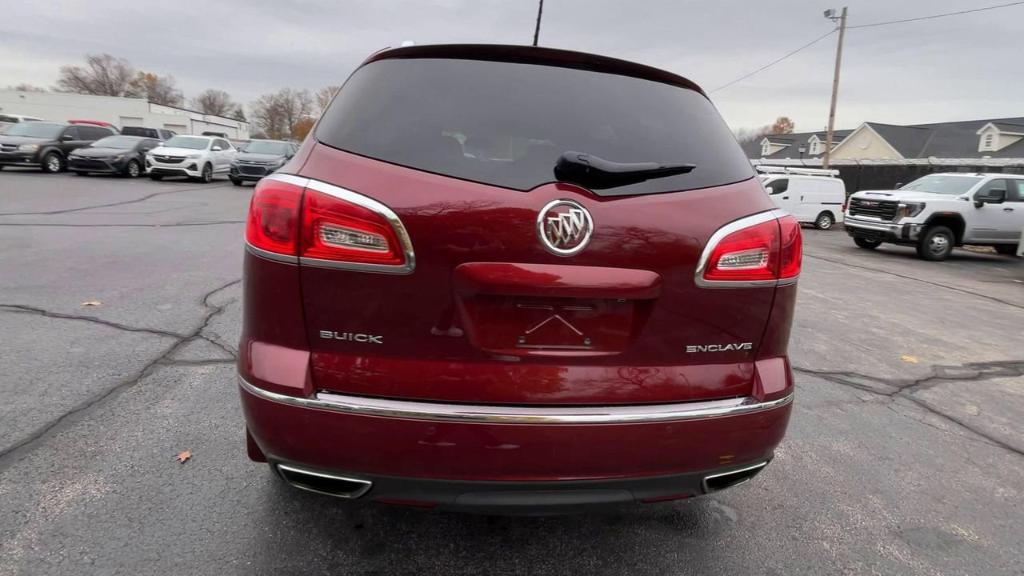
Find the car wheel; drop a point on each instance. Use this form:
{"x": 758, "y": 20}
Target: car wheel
{"x": 1006, "y": 249}
{"x": 207, "y": 176}
{"x": 53, "y": 163}
{"x": 132, "y": 170}
{"x": 867, "y": 244}
{"x": 157, "y": 177}
{"x": 936, "y": 244}
{"x": 824, "y": 221}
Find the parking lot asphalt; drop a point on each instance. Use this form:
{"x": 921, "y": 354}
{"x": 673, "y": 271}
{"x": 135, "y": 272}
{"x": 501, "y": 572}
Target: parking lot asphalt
{"x": 905, "y": 454}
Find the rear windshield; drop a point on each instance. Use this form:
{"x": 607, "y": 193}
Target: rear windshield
{"x": 36, "y": 130}
{"x": 506, "y": 124}
{"x": 188, "y": 142}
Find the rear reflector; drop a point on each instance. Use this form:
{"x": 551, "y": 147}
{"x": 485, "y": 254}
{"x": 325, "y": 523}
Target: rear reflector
{"x": 758, "y": 250}
{"x": 318, "y": 224}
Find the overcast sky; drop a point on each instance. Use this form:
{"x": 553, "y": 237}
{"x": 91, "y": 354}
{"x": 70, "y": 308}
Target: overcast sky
{"x": 956, "y": 68}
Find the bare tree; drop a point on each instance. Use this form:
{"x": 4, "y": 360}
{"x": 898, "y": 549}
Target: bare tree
{"x": 278, "y": 114}
{"x": 782, "y": 125}
{"x": 102, "y": 74}
{"x": 157, "y": 89}
{"x": 324, "y": 96}
{"x": 216, "y": 102}
{"x": 26, "y": 88}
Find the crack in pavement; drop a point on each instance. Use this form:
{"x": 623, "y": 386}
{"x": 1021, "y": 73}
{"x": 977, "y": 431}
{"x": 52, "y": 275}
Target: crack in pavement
{"x": 929, "y": 282}
{"x": 26, "y": 445}
{"x": 25, "y": 309}
{"x": 227, "y": 349}
{"x": 121, "y": 203}
{"x": 174, "y": 225}
{"x": 904, "y": 388}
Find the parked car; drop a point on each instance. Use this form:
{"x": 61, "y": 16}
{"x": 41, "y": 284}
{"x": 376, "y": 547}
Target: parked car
{"x": 102, "y": 123}
{"x": 259, "y": 158}
{"x": 811, "y": 195}
{"x": 196, "y": 157}
{"x": 591, "y": 308}
{"x": 158, "y": 133}
{"x": 124, "y": 155}
{"x": 46, "y": 144}
{"x": 8, "y": 120}
{"x": 939, "y": 211}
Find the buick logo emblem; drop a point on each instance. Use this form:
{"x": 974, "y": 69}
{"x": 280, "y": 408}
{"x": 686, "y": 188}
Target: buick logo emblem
{"x": 564, "y": 227}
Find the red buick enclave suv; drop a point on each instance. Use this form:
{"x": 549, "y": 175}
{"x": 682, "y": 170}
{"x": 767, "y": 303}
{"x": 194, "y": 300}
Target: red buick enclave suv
{"x": 504, "y": 278}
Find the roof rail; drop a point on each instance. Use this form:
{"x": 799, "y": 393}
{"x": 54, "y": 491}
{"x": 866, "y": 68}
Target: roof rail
{"x": 799, "y": 171}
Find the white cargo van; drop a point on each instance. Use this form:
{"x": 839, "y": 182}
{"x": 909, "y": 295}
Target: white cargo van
{"x": 813, "y": 196}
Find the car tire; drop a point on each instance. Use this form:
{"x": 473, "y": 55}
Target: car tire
{"x": 1006, "y": 249}
{"x": 936, "y": 244}
{"x": 133, "y": 169}
{"x": 866, "y": 244}
{"x": 53, "y": 163}
{"x": 824, "y": 221}
{"x": 156, "y": 177}
{"x": 207, "y": 175}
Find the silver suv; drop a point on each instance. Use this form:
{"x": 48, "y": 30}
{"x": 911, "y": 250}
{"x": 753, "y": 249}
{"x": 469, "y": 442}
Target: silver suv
{"x": 940, "y": 211}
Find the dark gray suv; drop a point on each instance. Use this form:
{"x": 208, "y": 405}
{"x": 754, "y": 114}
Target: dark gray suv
{"x": 46, "y": 145}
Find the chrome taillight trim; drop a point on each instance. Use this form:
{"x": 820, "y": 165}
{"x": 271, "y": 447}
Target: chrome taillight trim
{"x": 526, "y": 415}
{"x": 724, "y": 231}
{"x": 359, "y": 200}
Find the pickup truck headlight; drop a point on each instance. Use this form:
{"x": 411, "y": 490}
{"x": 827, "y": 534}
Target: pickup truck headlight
{"x": 909, "y": 209}
{"x": 28, "y": 147}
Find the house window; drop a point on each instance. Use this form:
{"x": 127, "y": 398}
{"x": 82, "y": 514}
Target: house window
{"x": 986, "y": 142}
{"x": 814, "y": 147}
{"x": 765, "y": 147}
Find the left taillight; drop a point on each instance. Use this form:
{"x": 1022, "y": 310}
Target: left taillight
{"x": 273, "y": 224}
{"x": 759, "y": 250}
{"x": 318, "y": 224}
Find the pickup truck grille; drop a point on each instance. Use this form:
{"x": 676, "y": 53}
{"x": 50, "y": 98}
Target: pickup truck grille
{"x": 884, "y": 209}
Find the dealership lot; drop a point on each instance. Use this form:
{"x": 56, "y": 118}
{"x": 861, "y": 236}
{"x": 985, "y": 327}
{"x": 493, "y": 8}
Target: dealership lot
{"x": 905, "y": 453}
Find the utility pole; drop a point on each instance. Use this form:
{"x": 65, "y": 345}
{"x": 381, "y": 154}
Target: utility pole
{"x": 830, "y": 14}
{"x": 536, "y": 31}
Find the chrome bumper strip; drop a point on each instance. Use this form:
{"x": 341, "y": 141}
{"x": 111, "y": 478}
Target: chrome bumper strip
{"x": 546, "y": 415}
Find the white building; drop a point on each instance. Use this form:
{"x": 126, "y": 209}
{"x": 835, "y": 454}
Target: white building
{"x": 61, "y": 106}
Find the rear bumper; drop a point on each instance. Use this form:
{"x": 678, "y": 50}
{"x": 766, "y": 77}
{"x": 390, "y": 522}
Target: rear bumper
{"x": 879, "y": 230}
{"x": 515, "y": 458}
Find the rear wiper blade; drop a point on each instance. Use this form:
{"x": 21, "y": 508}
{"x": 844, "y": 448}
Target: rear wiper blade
{"x": 594, "y": 172}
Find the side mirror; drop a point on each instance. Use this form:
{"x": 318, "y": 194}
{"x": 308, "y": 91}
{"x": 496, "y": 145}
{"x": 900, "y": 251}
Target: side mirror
{"x": 990, "y": 196}
{"x": 216, "y": 148}
{"x": 769, "y": 190}
{"x": 67, "y": 138}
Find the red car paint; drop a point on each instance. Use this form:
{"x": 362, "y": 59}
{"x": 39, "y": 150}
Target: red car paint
{"x": 488, "y": 316}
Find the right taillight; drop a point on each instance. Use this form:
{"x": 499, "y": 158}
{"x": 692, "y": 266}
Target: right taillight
{"x": 318, "y": 224}
{"x": 755, "y": 251}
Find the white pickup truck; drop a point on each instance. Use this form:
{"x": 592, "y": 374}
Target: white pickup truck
{"x": 940, "y": 211}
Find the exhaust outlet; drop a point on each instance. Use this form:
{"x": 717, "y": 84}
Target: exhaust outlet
{"x": 328, "y": 484}
{"x": 716, "y": 482}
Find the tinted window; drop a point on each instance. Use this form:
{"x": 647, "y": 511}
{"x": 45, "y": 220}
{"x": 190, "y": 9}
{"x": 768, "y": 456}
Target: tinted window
{"x": 94, "y": 132}
{"x": 191, "y": 142}
{"x": 1011, "y": 196}
{"x": 506, "y": 124}
{"x": 36, "y": 130}
{"x": 222, "y": 143}
{"x": 75, "y": 132}
{"x": 119, "y": 142}
{"x": 268, "y": 147}
{"x": 778, "y": 186}
{"x": 997, "y": 184}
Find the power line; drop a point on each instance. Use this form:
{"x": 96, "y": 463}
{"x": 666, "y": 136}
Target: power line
{"x": 780, "y": 59}
{"x": 872, "y": 25}
{"x": 933, "y": 16}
